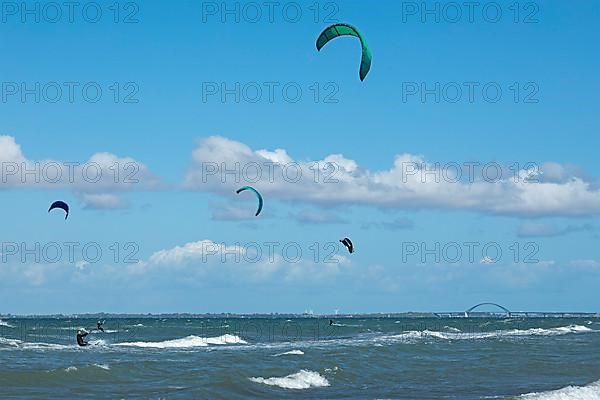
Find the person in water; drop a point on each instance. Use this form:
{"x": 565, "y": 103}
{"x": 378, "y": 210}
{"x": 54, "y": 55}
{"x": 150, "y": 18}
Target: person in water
{"x": 330, "y": 322}
{"x": 81, "y": 334}
{"x": 99, "y": 324}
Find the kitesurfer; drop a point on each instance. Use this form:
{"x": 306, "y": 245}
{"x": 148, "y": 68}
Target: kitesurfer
{"x": 81, "y": 334}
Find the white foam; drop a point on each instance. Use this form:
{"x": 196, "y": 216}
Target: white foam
{"x": 225, "y": 339}
{"x": 43, "y": 346}
{"x": 71, "y": 369}
{"x": 187, "y": 342}
{"x": 303, "y": 379}
{"x": 412, "y": 336}
{"x": 290, "y": 353}
{"x": 561, "y": 330}
{"x": 588, "y": 392}
{"x": 452, "y": 329}
{"x": 105, "y": 367}
{"x": 10, "y": 342}
{"x": 6, "y": 324}
{"x": 19, "y": 344}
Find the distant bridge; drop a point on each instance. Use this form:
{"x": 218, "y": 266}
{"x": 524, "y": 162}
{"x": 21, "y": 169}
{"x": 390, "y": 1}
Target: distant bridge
{"x": 466, "y": 313}
{"x": 517, "y": 314}
{"x": 506, "y": 310}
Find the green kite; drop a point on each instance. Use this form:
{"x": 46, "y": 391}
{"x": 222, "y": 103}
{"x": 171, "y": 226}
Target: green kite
{"x": 338, "y": 30}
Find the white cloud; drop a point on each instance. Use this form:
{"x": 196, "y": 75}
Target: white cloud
{"x": 248, "y": 262}
{"x": 102, "y": 172}
{"x": 81, "y": 265}
{"x": 559, "y": 173}
{"x": 487, "y": 260}
{"x": 221, "y": 165}
{"x": 95, "y": 181}
{"x": 194, "y": 251}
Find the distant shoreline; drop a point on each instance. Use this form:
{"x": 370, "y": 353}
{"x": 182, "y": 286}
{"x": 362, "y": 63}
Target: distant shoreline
{"x": 433, "y": 315}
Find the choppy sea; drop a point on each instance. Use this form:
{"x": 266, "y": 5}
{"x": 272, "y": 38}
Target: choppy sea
{"x": 294, "y": 357}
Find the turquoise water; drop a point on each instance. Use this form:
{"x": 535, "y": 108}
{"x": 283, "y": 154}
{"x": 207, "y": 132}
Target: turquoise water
{"x": 360, "y": 357}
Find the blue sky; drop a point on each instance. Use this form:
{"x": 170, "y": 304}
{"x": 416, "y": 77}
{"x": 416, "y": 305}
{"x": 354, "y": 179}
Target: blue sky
{"x": 173, "y": 54}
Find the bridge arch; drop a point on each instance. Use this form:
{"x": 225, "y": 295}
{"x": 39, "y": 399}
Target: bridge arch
{"x": 506, "y": 310}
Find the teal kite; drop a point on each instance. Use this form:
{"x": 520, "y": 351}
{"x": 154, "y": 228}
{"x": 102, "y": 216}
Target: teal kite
{"x": 337, "y": 30}
{"x": 258, "y": 195}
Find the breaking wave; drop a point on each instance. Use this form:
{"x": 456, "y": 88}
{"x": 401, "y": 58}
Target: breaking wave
{"x": 587, "y": 392}
{"x": 304, "y": 379}
{"x": 187, "y": 342}
{"x": 6, "y": 324}
{"x": 290, "y": 353}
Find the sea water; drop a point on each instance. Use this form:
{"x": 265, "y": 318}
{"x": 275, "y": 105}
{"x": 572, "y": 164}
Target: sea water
{"x": 296, "y": 357}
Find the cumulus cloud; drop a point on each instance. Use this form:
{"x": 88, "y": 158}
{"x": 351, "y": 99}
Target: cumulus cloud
{"x": 81, "y": 265}
{"x": 220, "y": 165}
{"x": 96, "y": 180}
{"x": 254, "y": 262}
{"x": 559, "y": 173}
{"x": 487, "y": 260}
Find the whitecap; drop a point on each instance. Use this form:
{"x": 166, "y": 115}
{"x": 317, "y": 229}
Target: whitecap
{"x": 10, "y": 342}
{"x": 588, "y": 392}
{"x": 6, "y": 324}
{"x": 187, "y": 342}
{"x": 42, "y": 346}
{"x": 304, "y": 379}
{"x": 19, "y": 344}
{"x": 411, "y": 336}
{"x": 452, "y": 329}
{"x": 561, "y": 330}
{"x": 98, "y": 342}
{"x": 290, "y": 353}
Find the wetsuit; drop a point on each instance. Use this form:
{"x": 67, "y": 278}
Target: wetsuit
{"x": 100, "y": 326}
{"x": 80, "y": 339}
